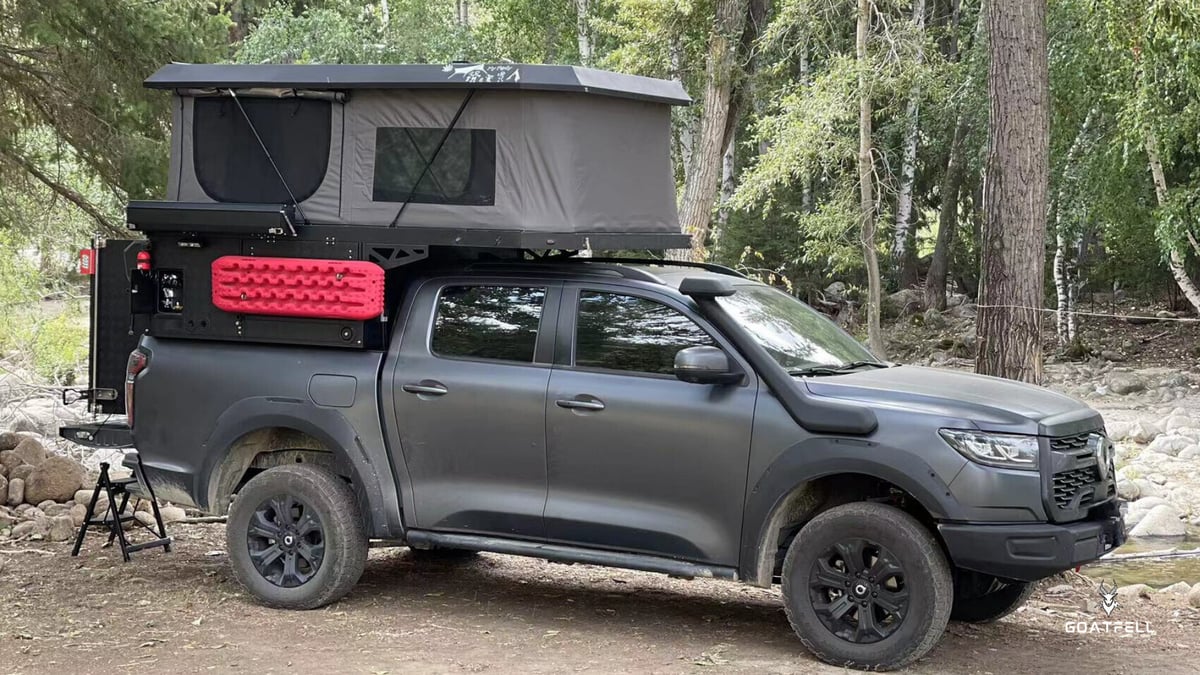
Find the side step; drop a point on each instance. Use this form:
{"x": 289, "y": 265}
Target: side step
{"x": 569, "y": 554}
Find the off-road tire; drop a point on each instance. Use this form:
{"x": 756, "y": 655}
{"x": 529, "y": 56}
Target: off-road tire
{"x": 991, "y": 606}
{"x": 926, "y": 576}
{"x": 345, "y": 542}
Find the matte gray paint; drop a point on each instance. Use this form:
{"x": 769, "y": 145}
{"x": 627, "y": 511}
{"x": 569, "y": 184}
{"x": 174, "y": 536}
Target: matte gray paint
{"x": 336, "y": 391}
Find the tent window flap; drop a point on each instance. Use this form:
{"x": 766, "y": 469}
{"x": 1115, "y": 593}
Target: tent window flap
{"x": 463, "y": 173}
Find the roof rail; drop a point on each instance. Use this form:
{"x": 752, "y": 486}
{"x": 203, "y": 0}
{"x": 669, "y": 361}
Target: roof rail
{"x": 603, "y": 267}
{"x": 711, "y": 267}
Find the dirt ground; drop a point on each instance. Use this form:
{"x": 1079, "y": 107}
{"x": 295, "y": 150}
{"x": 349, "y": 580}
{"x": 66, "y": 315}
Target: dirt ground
{"x": 183, "y": 612}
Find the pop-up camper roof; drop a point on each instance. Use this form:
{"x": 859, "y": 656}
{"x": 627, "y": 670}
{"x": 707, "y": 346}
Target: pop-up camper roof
{"x": 516, "y": 153}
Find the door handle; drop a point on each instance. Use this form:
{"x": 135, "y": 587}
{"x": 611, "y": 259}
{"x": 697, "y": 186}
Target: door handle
{"x": 579, "y": 404}
{"x": 427, "y": 389}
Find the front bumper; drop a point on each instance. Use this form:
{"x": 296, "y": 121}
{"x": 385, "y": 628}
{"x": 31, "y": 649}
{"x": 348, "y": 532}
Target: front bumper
{"x": 1028, "y": 552}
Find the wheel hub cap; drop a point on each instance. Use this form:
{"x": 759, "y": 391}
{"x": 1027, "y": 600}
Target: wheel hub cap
{"x": 858, "y": 591}
{"x": 286, "y": 541}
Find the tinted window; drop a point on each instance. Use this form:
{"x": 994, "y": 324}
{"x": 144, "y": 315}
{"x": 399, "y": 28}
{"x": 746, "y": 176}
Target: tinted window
{"x": 488, "y": 322}
{"x": 464, "y": 172}
{"x": 624, "y": 332}
{"x": 231, "y": 165}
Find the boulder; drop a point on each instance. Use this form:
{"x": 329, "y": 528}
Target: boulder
{"x": 57, "y": 479}
{"x": 61, "y": 528}
{"x": 1169, "y": 444}
{"x": 1163, "y": 520}
{"x": 8, "y": 440}
{"x": 145, "y": 518}
{"x": 78, "y": 513}
{"x": 1193, "y": 596}
{"x": 11, "y": 459}
{"x": 33, "y": 514}
{"x": 1178, "y": 421}
{"x": 3, "y": 471}
{"x": 21, "y": 472}
{"x": 1118, "y": 431}
{"x": 836, "y": 290}
{"x": 1127, "y": 489}
{"x": 54, "y": 510}
{"x": 16, "y": 492}
{"x": 31, "y": 451}
{"x": 1147, "y": 489}
{"x": 30, "y": 528}
{"x": 1190, "y": 452}
{"x": 1177, "y": 588}
{"x": 1143, "y": 432}
{"x": 172, "y": 514}
{"x": 1134, "y": 591}
{"x": 6, "y": 521}
{"x": 1126, "y": 384}
{"x": 84, "y": 496}
{"x": 3, "y": 490}
{"x": 1110, "y": 355}
{"x": 904, "y": 301}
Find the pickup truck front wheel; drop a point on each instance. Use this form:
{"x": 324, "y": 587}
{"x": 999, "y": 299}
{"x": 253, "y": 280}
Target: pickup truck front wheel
{"x": 865, "y": 585}
{"x": 295, "y": 537}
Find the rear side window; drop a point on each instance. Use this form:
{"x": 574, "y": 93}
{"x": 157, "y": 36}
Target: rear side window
{"x": 463, "y": 173}
{"x": 488, "y": 322}
{"x": 625, "y": 332}
{"x": 230, "y": 163}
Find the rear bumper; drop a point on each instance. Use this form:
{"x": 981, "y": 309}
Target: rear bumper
{"x": 106, "y": 435}
{"x": 1028, "y": 552}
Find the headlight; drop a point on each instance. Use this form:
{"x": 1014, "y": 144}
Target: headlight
{"x": 1008, "y": 451}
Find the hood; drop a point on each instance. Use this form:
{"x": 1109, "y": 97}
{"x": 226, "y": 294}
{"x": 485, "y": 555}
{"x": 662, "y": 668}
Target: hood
{"x": 991, "y": 403}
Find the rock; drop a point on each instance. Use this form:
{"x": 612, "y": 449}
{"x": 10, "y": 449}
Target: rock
{"x": 1177, "y": 588}
{"x": 55, "y": 510}
{"x": 10, "y": 459}
{"x": 45, "y": 503}
{"x": 1169, "y": 444}
{"x": 1118, "y": 431}
{"x": 62, "y": 528}
{"x": 22, "y": 507}
{"x": 3, "y": 490}
{"x": 1126, "y": 384}
{"x": 1193, "y": 596}
{"x": 16, "y": 492}
{"x": 57, "y": 479}
{"x": 1127, "y": 489}
{"x": 836, "y": 290}
{"x": 933, "y": 318}
{"x": 78, "y": 513}
{"x": 145, "y": 518}
{"x": 6, "y": 521}
{"x": 8, "y": 440}
{"x": 33, "y": 513}
{"x": 1143, "y": 432}
{"x": 1163, "y": 520}
{"x": 1109, "y": 355}
{"x": 31, "y": 451}
{"x": 84, "y": 496}
{"x": 1157, "y": 479}
{"x": 904, "y": 301}
{"x": 1140, "y": 320}
{"x": 1177, "y": 421}
{"x": 1146, "y": 488}
{"x": 1059, "y": 589}
{"x": 172, "y": 514}
{"x": 1134, "y": 591}
{"x": 30, "y": 528}
{"x": 21, "y": 472}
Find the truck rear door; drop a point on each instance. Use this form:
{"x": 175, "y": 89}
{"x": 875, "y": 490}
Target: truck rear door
{"x": 470, "y": 382}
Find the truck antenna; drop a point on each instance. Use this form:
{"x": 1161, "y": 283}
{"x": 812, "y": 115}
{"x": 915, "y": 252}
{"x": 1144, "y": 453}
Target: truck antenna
{"x": 429, "y": 163}
{"x": 278, "y": 173}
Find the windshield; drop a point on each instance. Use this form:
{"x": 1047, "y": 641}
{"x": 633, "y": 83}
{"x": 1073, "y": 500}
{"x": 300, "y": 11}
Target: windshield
{"x": 793, "y": 333}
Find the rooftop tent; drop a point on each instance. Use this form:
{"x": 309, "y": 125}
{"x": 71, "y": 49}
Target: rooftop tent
{"x": 529, "y": 148}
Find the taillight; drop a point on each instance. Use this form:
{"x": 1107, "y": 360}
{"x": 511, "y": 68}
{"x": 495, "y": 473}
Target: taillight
{"x": 138, "y": 360}
{"x": 143, "y": 261}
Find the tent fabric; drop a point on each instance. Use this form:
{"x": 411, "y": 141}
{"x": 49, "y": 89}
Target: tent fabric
{"x": 529, "y": 159}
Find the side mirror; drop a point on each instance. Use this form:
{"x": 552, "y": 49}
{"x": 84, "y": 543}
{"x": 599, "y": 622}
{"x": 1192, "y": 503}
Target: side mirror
{"x": 705, "y": 365}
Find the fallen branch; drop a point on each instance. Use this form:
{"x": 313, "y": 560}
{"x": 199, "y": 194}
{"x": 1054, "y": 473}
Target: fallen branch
{"x": 1155, "y": 337}
{"x": 203, "y": 519}
{"x": 1146, "y": 555}
{"x": 27, "y": 550}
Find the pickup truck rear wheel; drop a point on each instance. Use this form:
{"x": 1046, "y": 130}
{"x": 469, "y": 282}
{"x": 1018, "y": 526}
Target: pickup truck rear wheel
{"x": 865, "y": 585}
{"x": 295, "y": 537}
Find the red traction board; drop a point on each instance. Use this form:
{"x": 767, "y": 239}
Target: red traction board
{"x": 319, "y": 289}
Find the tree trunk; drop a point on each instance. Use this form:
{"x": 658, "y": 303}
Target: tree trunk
{"x": 1175, "y": 259}
{"x": 464, "y": 13}
{"x": 728, "y": 186}
{"x": 1017, "y": 172}
{"x": 939, "y": 264}
{"x": 1065, "y": 269}
{"x": 904, "y": 263}
{"x": 582, "y": 34}
{"x": 700, "y": 189}
{"x": 866, "y": 185}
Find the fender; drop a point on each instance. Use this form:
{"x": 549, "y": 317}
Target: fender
{"x": 824, "y": 456}
{"x": 377, "y": 499}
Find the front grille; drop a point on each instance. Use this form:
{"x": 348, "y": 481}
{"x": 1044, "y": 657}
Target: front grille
{"x": 1068, "y": 484}
{"x": 1071, "y": 444}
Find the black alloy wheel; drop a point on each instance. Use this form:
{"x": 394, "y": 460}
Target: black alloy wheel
{"x": 858, "y": 591}
{"x": 286, "y": 541}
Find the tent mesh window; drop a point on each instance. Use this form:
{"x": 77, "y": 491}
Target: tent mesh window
{"x": 463, "y": 173}
{"x": 231, "y": 165}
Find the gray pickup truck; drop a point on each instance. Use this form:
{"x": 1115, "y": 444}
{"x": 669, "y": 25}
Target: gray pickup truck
{"x": 359, "y": 316}
{"x": 654, "y": 417}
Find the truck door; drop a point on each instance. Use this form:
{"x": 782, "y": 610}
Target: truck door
{"x": 470, "y": 399}
{"x": 639, "y": 460}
